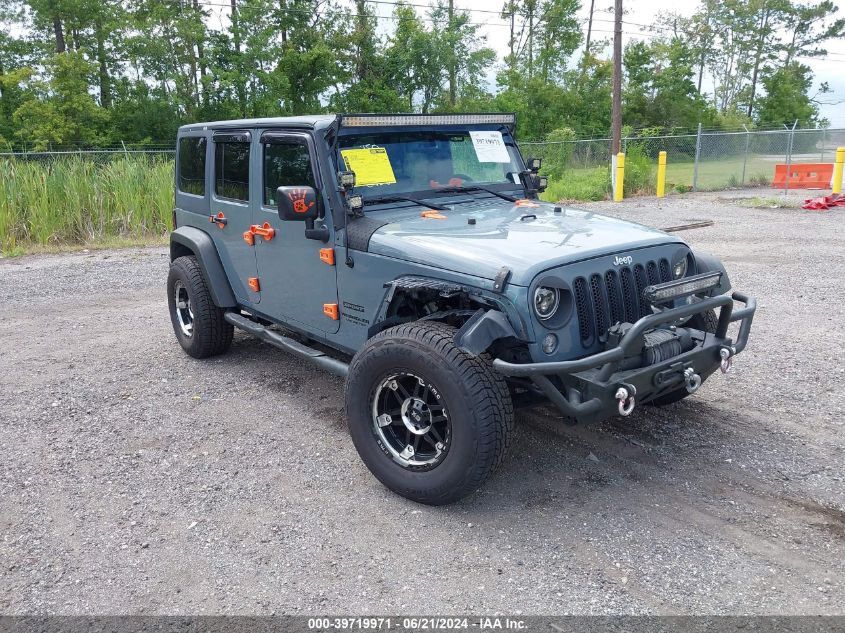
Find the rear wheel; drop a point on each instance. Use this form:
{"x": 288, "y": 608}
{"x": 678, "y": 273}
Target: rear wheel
{"x": 198, "y": 324}
{"x": 706, "y": 322}
{"x": 430, "y": 421}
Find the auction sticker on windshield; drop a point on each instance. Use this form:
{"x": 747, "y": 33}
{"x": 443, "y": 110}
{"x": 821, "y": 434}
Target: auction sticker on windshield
{"x": 490, "y": 147}
{"x": 370, "y": 164}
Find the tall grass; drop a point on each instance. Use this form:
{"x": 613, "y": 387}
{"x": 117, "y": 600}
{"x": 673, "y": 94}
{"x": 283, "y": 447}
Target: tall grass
{"x": 595, "y": 183}
{"x": 78, "y": 201}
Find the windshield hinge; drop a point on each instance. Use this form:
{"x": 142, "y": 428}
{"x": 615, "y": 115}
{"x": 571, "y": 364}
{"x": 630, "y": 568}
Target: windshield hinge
{"x": 501, "y": 279}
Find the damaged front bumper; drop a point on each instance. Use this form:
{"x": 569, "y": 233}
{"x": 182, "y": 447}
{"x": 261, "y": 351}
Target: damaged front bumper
{"x": 598, "y": 386}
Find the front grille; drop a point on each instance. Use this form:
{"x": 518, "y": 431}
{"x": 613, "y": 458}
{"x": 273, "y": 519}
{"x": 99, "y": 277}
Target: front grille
{"x": 602, "y": 301}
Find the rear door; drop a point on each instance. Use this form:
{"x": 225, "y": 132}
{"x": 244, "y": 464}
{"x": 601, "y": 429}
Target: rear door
{"x": 296, "y": 282}
{"x": 233, "y": 209}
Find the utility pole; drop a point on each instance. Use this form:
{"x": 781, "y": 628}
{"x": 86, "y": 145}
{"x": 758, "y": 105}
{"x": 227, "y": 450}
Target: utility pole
{"x": 453, "y": 74}
{"x": 589, "y": 33}
{"x": 531, "y": 5}
{"x": 616, "y": 116}
{"x": 512, "y": 41}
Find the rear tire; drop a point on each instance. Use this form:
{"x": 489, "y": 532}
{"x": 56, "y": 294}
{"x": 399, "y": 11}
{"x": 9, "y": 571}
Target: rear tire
{"x": 430, "y": 421}
{"x": 706, "y": 322}
{"x": 199, "y": 325}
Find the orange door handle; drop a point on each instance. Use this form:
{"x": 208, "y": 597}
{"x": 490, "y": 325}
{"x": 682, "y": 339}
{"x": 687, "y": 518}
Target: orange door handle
{"x": 265, "y": 231}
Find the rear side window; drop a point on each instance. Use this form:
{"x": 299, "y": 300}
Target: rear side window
{"x": 192, "y": 165}
{"x": 231, "y": 170}
{"x": 285, "y": 165}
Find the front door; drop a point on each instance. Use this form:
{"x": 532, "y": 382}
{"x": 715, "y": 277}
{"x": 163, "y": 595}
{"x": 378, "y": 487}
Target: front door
{"x": 231, "y": 208}
{"x": 298, "y": 278}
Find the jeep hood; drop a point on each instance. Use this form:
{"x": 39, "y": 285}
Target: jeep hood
{"x": 526, "y": 239}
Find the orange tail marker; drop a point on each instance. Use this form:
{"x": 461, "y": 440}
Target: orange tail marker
{"x": 330, "y": 310}
{"x": 253, "y": 284}
{"x": 327, "y": 256}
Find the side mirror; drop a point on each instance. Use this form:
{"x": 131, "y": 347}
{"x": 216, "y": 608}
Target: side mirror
{"x": 297, "y": 203}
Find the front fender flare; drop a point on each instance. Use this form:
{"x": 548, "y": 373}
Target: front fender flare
{"x": 482, "y": 328}
{"x": 707, "y": 263}
{"x": 200, "y": 244}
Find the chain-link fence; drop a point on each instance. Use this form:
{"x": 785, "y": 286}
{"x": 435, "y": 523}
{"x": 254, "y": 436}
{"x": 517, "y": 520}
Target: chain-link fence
{"x": 705, "y": 160}
{"x": 97, "y": 154}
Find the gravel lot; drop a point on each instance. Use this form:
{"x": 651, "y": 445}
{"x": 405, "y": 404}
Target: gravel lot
{"x": 137, "y": 480}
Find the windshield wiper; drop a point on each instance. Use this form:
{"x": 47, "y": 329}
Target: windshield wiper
{"x": 463, "y": 189}
{"x": 387, "y": 199}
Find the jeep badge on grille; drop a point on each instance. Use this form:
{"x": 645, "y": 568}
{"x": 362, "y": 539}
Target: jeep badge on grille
{"x": 622, "y": 261}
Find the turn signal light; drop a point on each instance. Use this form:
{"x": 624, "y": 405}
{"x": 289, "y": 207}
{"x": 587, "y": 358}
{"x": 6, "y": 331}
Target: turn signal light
{"x": 327, "y": 256}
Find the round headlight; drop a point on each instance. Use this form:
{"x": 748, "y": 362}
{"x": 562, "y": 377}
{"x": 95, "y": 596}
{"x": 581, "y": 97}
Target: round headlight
{"x": 546, "y": 301}
{"x": 680, "y": 268}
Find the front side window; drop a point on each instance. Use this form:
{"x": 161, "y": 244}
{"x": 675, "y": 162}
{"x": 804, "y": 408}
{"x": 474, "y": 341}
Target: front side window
{"x": 401, "y": 162}
{"x": 192, "y": 165}
{"x": 231, "y": 170}
{"x": 285, "y": 165}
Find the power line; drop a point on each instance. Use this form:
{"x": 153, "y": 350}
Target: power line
{"x": 349, "y": 14}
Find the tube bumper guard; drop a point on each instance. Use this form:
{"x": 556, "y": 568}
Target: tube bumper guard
{"x": 595, "y": 387}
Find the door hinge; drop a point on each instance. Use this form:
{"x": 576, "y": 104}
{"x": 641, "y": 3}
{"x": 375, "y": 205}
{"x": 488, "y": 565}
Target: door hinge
{"x": 264, "y": 231}
{"x": 219, "y": 219}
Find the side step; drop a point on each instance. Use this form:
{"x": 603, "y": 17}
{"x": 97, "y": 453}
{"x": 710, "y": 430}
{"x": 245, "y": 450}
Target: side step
{"x": 321, "y": 359}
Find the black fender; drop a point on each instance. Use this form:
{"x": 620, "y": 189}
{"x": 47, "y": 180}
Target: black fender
{"x": 482, "y": 328}
{"x": 707, "y": 263}
{"x": 188, "y": 240}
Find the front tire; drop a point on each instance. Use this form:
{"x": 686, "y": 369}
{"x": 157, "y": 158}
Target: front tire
{"x": 430, "y": 421}
{"x": 198, "y": 324}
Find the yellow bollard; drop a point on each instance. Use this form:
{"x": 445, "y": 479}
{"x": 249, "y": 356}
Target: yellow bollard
{"x": 837, "y": 169}
{"x": 620, "y": 177}
{"x": 661, "y": 174}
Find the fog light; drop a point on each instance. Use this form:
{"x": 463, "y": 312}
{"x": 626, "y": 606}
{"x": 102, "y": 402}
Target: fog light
{"x": 550, "y": 343}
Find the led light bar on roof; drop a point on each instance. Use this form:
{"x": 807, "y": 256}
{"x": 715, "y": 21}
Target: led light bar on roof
{"x": 390, "y": 120}
{"x": 685, "y": 287}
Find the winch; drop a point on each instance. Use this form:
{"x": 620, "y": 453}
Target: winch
{"x": 658, "y": 345}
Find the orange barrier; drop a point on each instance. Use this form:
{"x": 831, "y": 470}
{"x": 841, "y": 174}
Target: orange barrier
{"x": 804, "y": 176}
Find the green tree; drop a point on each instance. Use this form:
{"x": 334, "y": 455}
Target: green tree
{"x": 62, "y": 111}
{"x": 787, "y": 97}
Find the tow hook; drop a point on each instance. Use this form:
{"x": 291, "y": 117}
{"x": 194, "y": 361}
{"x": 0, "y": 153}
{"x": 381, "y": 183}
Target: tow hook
{"x": 626, "y": 400}
{"x": 692, "y": 379}
{"x": 727, "y": 360}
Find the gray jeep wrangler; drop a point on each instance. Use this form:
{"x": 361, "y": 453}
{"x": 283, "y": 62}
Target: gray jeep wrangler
{"x": 410, "y": 254}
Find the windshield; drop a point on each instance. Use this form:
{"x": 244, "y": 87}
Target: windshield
{"x": 404, "y": 161}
